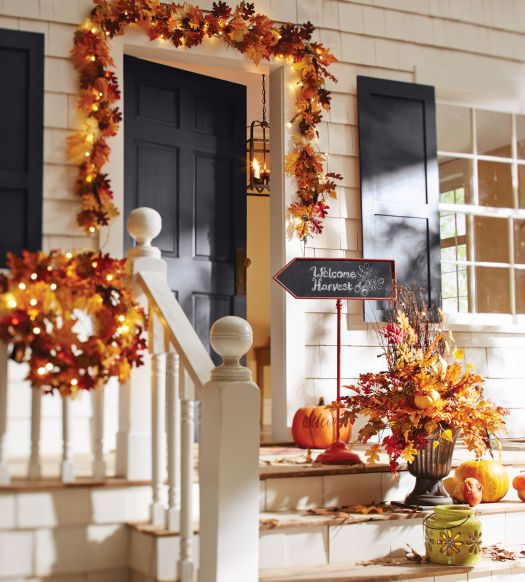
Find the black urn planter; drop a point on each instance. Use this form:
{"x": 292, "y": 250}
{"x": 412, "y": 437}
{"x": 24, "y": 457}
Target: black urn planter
{"x": 429, "y": 467}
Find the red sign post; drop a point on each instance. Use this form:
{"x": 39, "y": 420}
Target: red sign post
{"x": 354, "y": 279}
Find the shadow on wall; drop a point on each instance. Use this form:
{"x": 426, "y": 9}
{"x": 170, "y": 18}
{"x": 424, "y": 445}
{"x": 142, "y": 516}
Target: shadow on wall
{"x": 81, "y": 540}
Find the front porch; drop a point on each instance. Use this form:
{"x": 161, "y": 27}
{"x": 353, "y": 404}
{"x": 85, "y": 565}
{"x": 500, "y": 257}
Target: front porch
{"x": 101, "y": 529}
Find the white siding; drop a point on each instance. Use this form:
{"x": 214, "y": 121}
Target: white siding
{"x": 470, "y": 49}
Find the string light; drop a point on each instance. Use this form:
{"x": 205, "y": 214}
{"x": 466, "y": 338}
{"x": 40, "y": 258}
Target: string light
{"x": 109, "y": 277}
{"x": 53, "y": 286}
{"x": 11, "y": 303}
{"x": 41, "y": 371}
{"x": 87, "y": 154}
{"x": 74, "y": 382}
{"x": 121, "y": 318}
{"x": 69, "y": 255}
{"x": 49, "y": 366}
{"x": 92, "y": 229}
{"x": 33, "y": 302}
{"x": 94, "y": 107}
{"x": 34, "y": 276}
{"x": 36, "y": 330}
{"x": 93, "y": 30}
{"x": 22, "y": 286}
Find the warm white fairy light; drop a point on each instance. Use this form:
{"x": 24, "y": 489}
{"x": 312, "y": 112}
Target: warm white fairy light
{"x": 22, "y": 286}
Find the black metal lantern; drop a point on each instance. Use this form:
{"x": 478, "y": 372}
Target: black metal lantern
{"x": 258, "y": 152}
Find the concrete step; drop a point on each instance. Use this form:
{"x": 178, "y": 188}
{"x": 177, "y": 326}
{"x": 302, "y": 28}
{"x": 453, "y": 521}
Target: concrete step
{"x": 299, "y": 540}
{"x": 75, "y": 533}
{"x": 402, "y": 571}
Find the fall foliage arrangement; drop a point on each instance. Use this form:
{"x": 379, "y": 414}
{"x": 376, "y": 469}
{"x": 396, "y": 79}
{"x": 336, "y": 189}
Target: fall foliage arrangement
{"x": 186, "y": 25}
{"x": 427, "y": 389}
{"x": 72, "y": 318}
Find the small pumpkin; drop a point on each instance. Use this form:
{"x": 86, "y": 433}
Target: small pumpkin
{"x": 492, "y": 476}
{"x": 314, "y": 427}
{"x": 519, "y": 484}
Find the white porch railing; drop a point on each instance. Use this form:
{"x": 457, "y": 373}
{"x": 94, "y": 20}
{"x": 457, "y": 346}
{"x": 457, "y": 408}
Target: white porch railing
{"x": 178, "y": 372}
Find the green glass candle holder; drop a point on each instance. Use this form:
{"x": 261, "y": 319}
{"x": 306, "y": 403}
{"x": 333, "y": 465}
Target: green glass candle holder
{"x": 453, "y": 536}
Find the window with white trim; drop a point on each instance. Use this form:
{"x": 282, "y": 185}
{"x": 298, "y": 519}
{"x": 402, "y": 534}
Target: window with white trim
{"x": 481, "y": 157}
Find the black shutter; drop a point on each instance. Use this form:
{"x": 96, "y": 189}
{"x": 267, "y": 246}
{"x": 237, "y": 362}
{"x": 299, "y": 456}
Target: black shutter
{"x": 21, "y": 146}
{"x": 399, "y": 181}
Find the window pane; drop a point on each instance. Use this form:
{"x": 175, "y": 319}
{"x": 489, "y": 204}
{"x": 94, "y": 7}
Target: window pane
{"x": 521, "y": 186}
{"x": 492, "y": 239}
{"x": 494, "y": 133}
{"x": 495, "y": 184}
{"x": 454, "y": 132}
{"x": 492, "y": 290}
{"x": 520, "y": 291}
{"x": 519, "y": 241}
{"x": 454, "y": 180}
{"x": 449, "y": 285}
{"x": 520, "y": 133}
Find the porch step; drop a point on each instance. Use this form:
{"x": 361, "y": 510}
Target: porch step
{"x": 402, "y": 571}
{"x": 299, "y": 543}
{"x": 290, "y": 483}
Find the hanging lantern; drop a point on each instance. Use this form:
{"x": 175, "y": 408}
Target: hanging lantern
{"x": 258, "y": 152}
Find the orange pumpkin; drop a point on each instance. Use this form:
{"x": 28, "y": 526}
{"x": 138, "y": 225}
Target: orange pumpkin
{"x": 492, "y": 476}
{"x": 314, "y": 427}
{"x": 519, "y": 484}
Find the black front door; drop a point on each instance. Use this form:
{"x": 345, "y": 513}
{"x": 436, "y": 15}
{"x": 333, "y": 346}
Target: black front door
{"x": 185, "y": 144}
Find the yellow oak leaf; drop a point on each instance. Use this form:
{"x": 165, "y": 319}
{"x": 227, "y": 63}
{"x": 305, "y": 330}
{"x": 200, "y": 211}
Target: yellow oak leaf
{"x": 446, "y": 435}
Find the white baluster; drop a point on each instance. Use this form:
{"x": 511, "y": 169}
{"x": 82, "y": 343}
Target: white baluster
{"x": 67, "y": 473}
{"x": 35, "y": 465}
{"x": 173, "y": 437}
{"x": 186, "y": 565}
{"x": 229, "y": 464}
{"x": 4, "y": 470}
{"x": 158, "y": 391}
{"x": 99, "y": 464}
{"x": 133, "y": 438}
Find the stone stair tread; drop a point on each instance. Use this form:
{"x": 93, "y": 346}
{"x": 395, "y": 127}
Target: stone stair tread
{"x": 401, "y": 570}
{"x": 303, "y": 519}
{"x": 289, "y": 462}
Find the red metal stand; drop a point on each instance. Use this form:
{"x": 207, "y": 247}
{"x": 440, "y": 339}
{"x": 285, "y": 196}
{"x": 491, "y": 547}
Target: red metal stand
{"x": 338, "y": 452}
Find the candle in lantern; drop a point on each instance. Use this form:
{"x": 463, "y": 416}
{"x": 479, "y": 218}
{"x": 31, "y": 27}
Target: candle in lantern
{"x": 256, "y": 169}
{"x": 265, "y": 175}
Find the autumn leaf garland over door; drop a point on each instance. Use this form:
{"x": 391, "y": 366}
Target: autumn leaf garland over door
{"x": 254, "y": 35}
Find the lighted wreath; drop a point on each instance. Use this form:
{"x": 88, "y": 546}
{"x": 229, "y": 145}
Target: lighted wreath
{"x": 255, "y": 36}
{"x": 72, "y": 318}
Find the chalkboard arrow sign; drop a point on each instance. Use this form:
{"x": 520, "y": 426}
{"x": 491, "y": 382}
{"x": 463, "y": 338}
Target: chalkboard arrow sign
{"x": 363, "y": 279}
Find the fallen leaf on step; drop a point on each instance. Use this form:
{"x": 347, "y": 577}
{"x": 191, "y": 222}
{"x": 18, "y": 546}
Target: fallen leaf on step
{"x": 414, "y": 556}
{"x": 500, "y": 554}
{"x": 269, "y": 523}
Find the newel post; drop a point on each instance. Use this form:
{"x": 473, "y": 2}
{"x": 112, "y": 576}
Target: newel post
{"x": 229, "y": 461}
{"x": 134, "y": 433}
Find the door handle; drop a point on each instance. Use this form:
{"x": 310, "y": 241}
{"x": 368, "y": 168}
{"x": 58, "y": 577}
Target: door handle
{"x": 242, "y": 263}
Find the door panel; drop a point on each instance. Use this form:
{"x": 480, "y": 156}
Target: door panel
{"x": 185, "y": 139}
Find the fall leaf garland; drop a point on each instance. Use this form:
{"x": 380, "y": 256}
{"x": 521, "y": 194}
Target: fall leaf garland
{"x": 72, "y": 318}
{"x": 252, "y": 34}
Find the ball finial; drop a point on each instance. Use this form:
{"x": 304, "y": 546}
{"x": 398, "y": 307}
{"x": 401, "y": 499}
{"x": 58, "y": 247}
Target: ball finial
{"x": 144, "y": 224}
{"x": 231, "y": 337}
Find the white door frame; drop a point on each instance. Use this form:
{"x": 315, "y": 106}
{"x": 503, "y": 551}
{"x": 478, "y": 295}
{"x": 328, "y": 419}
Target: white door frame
{"x": 287, "y": 314}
